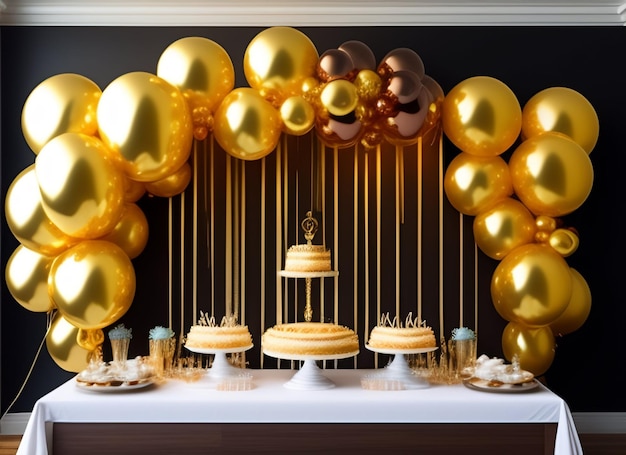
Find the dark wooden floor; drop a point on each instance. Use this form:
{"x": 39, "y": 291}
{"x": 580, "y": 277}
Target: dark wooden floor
{"x": 593, "y": 444}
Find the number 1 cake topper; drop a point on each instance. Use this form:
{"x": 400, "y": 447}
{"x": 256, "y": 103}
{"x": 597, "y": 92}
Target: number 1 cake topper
{"x": 309, "y": 226}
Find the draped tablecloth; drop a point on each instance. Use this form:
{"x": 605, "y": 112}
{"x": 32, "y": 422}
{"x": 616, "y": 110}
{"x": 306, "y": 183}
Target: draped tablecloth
{"x": 268, "y": 401}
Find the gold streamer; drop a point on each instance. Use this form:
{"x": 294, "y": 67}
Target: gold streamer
{"x": 228, "y": 240}
{"x": 355, "y": 243}
{"x": 366, "y": 241}
{"x": 441, "y": 194}
{"x": 418, "y": 253}
{"x": 170, "y": 257}
{"x": 242, "y": 303}
{"x": 279, "y": 305}
{"x": 461, "y": 279}
{"x": 399, "y": 219}
{"x": 182, "y": 262}
{"x": 195, "y": 232}
{"x": 262, "y": 255}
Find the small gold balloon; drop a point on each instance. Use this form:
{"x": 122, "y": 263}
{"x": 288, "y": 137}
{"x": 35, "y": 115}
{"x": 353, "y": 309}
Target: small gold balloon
{"x": 26, "y": 275}
{"x": 561, "y": 110}
{"x": 546, "y": 223}
{"x": 131, "y": 231}
{"x": 534, "y": 347}
{"x": 82, "y": 191}
{"x": 551, "y": 174}
{"x": 503, "y": 227}
{"x": 279, "y": 60}
{"x": 64, "y": 103}
{"x": 246, "y": 125}
{"x": 473, "y": 183}
{"x": 63, "y": 347}
{"x": 171, "y": 185}
{"x": 339, "y": 97}
{"x": 564, "y": 241}
{"x": 482, "y": 116}
{"x": 298, "y": 116}
{"x": 28, "y": 220}
{"x": 531, "y": 285}
{"x": 92, "y": 284}
{"x": 578, "y": 308}
{"x": 368, "y": 85}
{"x": 146, "y": 124}
{"x": 90, "y": 339}
{"x": 133, "y": 190}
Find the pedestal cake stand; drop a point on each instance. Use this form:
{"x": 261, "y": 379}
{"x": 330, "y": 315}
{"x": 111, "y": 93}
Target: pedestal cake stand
{"x": 221, "y": 369}
{"x": 399, "y": 370}
{"x": 309, "y": 376}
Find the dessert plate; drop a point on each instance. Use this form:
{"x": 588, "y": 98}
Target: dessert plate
{"x": 484, "y": 385}
{"x": 123, "y": 387}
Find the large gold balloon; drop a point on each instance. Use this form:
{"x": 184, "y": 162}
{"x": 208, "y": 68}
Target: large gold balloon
{"x": 92, "y": 284}
{"x": 482, "y": 116}
{"x": 578, "y": 308}
{"x": 531, "y": 285}
{"x": 131, "y": 231}
{"x": 503, "y": 227}
{"x": 145, "y": 122}
{"x": 26, "y": 275}
{"x": 298, "y": 116}
{"x": 534, "y": 347}
{"x": 64, "y": 103}
{"x": 82, "y": 191}
{"x": 28, "y": 220}
{"x": 246, "y": 125}
{"x": 474, "y": 183}
{"x": 561, "y": 110}
{"x": 171, "y": 185}
{"x": 277, "y": 61}
{"x": 204, "y": 73}
{"x": 63, "y": 347}
{"x": 551, "y": 174}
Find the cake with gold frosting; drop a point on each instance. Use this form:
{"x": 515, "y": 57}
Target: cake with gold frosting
{"x": 307, "y": 258}
{"x": 309, "y": 339}
{"x": 207, "y": 334}
{"x": 392, "y": 334}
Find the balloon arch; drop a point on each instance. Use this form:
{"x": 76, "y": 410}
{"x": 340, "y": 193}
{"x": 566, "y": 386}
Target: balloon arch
{"x": 98, "y": 152}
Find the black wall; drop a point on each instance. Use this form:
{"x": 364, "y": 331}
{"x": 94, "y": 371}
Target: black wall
{"x": 589, "y": 366}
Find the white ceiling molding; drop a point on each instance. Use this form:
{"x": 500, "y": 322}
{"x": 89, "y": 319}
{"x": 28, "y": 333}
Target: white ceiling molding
{"x": 308, "y": 13}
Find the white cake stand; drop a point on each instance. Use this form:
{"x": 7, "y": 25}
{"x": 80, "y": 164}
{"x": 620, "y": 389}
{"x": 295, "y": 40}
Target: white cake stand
{"x": 221, "y": 369}
{"x": 399, "y": 370}
{"x": 309, "y": 376}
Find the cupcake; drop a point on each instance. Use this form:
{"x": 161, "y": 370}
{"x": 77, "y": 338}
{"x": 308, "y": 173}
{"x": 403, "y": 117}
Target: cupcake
{"x": 120, "y": 337}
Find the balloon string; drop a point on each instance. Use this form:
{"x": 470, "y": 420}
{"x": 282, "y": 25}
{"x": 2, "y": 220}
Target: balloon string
{"x": 236, "y": 237}
{"x": 366, "y": 239}
{"x": 228, "y": 271}
{"x": 355, "y": 240}
{"x": 278, "y": 230}
{"x": 243, "y": 244}
{"x": 262, "y": 255}
{"x": 461, "y": 258}
{"x": 170, "y": 254}
{"x": 441, "y": 329}
{"x": 399, "y": 219}
{"x": 418, "y": 253}
{"x": 182, "y": 262}
{"x": 285, "y": 225}
{"x": 32, "y": 365}
{"x": 195, "y": 231}
{"x": 212, "y": 222}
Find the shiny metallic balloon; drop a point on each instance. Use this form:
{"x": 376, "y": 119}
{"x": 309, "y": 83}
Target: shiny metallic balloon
{"x": 534, "y": 347}
{"x": 63, "y": 347}
{"x": 26, "y": 276}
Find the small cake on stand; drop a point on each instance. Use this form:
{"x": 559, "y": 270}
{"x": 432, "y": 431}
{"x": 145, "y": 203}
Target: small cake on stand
{"x": 309, "y": 341}
{"x": 228, "y": 337}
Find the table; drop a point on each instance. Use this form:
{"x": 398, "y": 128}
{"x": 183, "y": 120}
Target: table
{"x": 187, "y": 418}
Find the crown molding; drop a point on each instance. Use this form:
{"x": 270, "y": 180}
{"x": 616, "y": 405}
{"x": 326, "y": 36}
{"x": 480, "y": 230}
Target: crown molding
{"x": 306, "y": 13}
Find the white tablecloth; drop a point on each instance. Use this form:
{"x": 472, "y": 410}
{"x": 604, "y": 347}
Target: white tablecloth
{"x": 270, "y": 402}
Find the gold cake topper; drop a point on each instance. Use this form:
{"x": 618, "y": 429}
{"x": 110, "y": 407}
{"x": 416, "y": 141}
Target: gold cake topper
{"x": 309, "y": 226}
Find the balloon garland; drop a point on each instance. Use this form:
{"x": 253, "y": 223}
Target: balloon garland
{"x": 75, "y": 215}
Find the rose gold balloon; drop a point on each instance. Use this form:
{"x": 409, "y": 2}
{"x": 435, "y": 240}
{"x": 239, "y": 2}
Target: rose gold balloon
{"x": 335, "y": 64}
{"x": 362, "y": 56}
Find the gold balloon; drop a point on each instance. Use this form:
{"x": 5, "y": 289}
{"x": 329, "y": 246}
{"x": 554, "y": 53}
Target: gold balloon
{"x": 503, "y": 227}
{"x": 92, "y": 284}
{"x": 535, "y": 347}
{"x": 531, "y": 285}
{"x": 133, "y": 190}
{"x": 278, "y": 60}
{"x": 561, "y": 110}
{"x": 26, "y": 275}
{"x": 203, "y": 72}
{"x": 131, "y": 231}
{"x": 82, "y": 191}
{"x": 546, "y": 223}
{"x": 578, "y": 308}
{"x": 28, "y": 220}
{"x": 368, "y": 85}
{"x": 65, "y": 103}
{"x": 474, "y": 183}
{"x": 63, "y": 347}
{"x": 246, "y": 125}
{"x": 482, "y": 116}
{"x": 564, "y": 241}
{"x": 339, "y": 97}
{"x": 298, "y": 116}
{"x": 145, "y": 122}
{"x": 551, "y": 174}
{"x": 172, "y": 184}
{"x": 90, "y": 339}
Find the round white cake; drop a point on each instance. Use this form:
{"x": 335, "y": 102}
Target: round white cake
{"x": 392, "y": 335}
{"x": 205, "y": 337}
{"x": 307, "y": 258}
{"x": 310, "y": 339}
